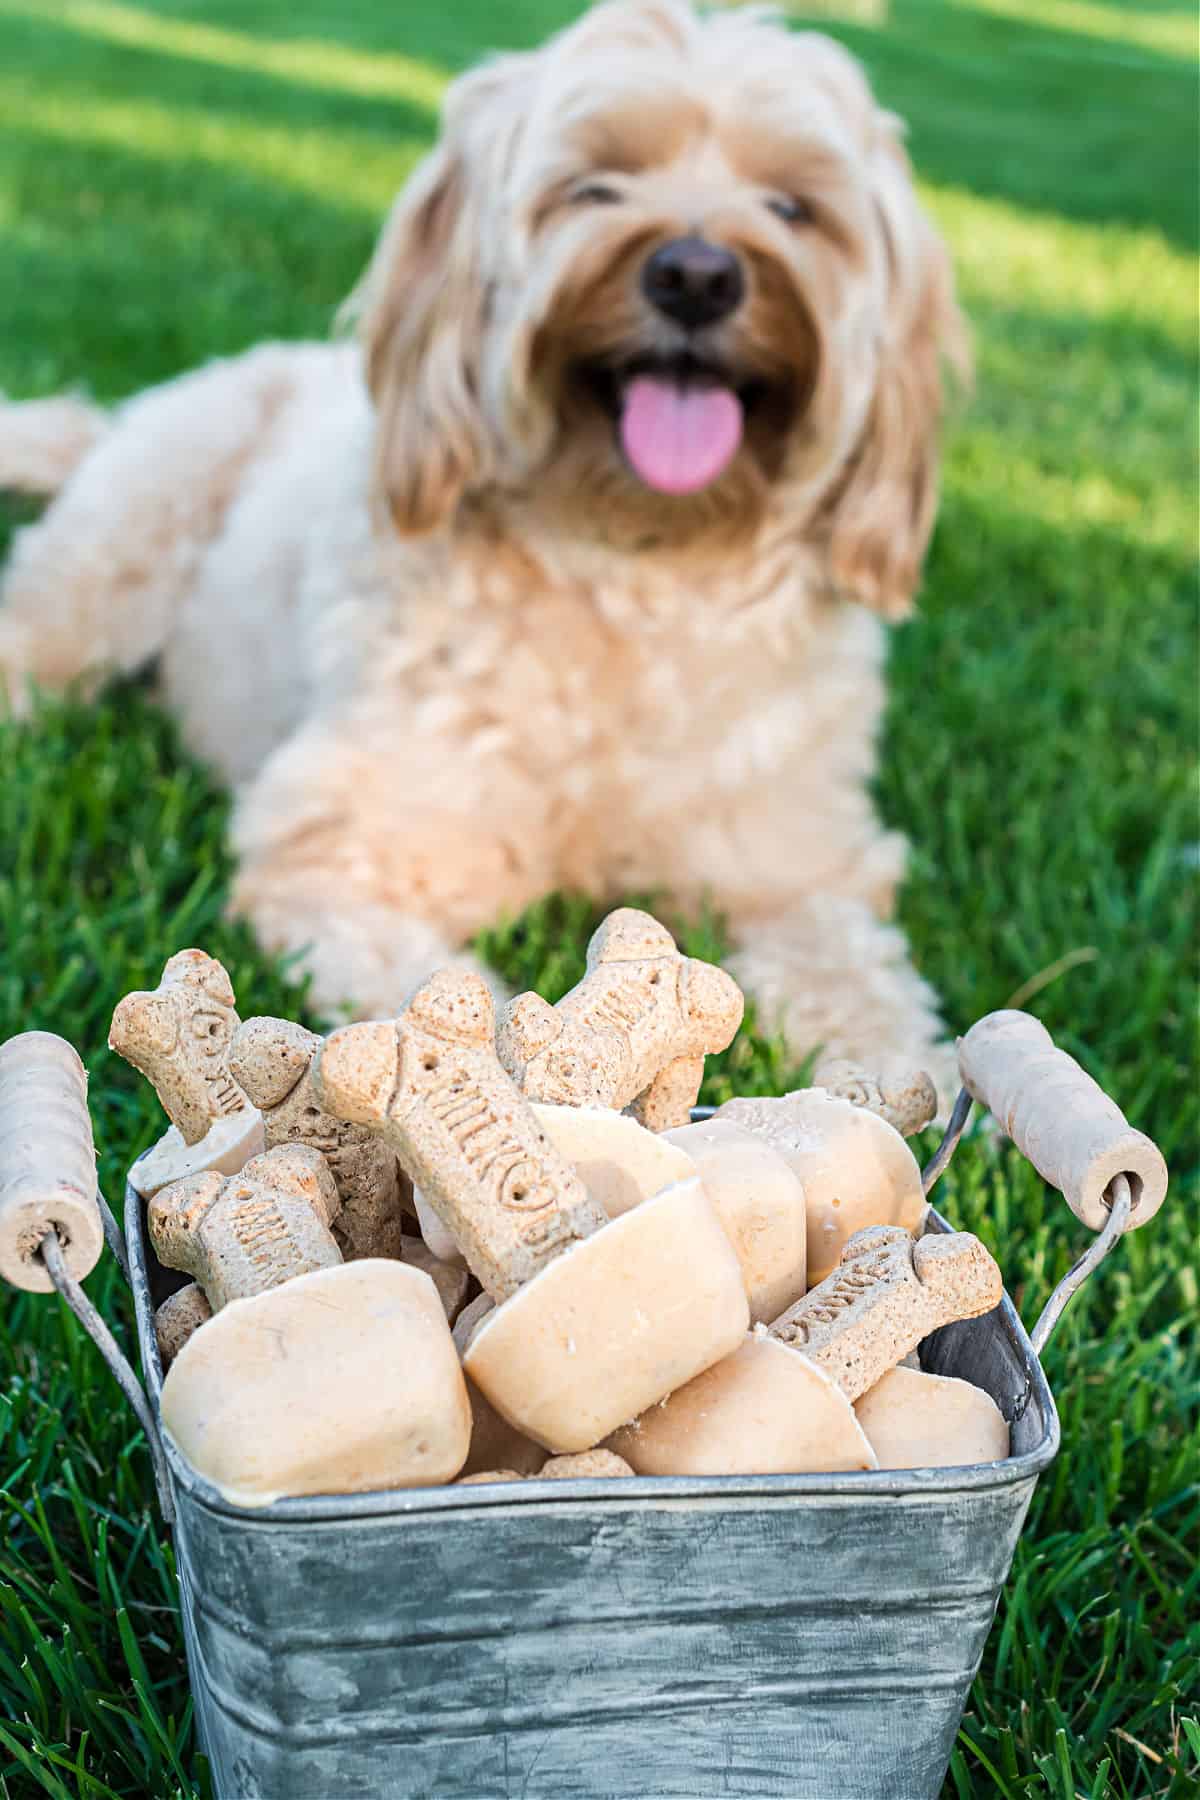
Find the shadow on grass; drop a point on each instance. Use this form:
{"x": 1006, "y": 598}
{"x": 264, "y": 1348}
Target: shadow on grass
{"x": 126, "y": 269}
{"x": 1050, "y": 119}
{"x": 67, "y": 53}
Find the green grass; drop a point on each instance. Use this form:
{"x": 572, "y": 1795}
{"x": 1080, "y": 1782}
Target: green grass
{"x": 185, "y": 179}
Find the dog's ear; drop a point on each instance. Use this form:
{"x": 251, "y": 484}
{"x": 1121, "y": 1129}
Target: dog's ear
{"x": 421, "y": 306}
{"x": 881, "y": 512}
{"x": 420, "y": 319}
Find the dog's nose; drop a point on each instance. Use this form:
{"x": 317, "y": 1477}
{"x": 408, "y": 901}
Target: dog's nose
{"x": 693, "y": 282}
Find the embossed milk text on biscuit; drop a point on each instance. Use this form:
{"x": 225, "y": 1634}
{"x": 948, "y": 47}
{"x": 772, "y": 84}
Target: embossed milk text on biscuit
{"x": 272, "y": 1060}
{"x": 430, "y": 1085}
{"x": 885, "y": 1295}
{"x": 239, "y": 1235}
{"x": 634, "y": 1032}
{"x": 178, "y": 1035}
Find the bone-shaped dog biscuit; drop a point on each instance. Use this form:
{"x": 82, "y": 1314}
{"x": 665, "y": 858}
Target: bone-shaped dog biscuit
{"x": 586, "y": 1465}
{"x": 178, "y": 1035}
{"x": 180, "y": 1315}
{"x": 242, "y": 1234}
{"x": 886, "y": 1294}
{"x": 430, "y": 1085}
{"x": 898, "y": 1092}
{"x": 634, "y": 1032}
{"x": 271, "y": 1059}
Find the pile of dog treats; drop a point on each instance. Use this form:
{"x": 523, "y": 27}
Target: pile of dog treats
{"x": 449, "y": 1247}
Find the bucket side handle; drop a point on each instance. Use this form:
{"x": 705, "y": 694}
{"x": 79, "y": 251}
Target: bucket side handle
{"x": 1113, "y": 1178}
{"x": 54, "y": 1222}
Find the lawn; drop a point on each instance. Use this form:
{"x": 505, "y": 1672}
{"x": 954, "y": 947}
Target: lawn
{"x": 183, "y": 179}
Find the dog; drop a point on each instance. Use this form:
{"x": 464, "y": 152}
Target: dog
{"x": 567, "y": 569}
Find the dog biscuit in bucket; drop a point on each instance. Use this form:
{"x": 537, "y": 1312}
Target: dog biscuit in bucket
{"x": 272, "y": 1061}
{"x": 178, "y": 1035}
{"x": 429, "y": 1084}
{"x": 886, "y": 1294}
{"x": 242, "y": 1234}
{"x": 634, "y": 1032}
{"x": 180, "y": 1314}
{"x": 903, "y": 1095}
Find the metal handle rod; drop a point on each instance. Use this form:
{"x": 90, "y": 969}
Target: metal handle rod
{"x": 114, "y": 1237}
{"x": 51, "y": 1254}
{"x": 939, "y": 1162}
{"x": 1119, "y": 1201}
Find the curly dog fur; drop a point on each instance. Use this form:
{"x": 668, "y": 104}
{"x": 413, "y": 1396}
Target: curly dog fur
{"x": 409, "y": 595}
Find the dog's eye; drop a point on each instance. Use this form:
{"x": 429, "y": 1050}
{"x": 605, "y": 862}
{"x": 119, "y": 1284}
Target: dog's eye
{"x": 595, "y": 193}
{"x": 791, "y": 209}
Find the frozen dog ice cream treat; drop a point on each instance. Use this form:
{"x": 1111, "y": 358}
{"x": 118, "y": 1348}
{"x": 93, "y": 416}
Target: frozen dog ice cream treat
{"x": 590, "y": 1465}
{"x": 429, "y": 1084}
{"x": 179, "y": 1037}
{"x": 1073, "y": 1134}
{"x": 599, "y": 1320}
{"x": 439, "y": 1240}
{"x": 619, "y": 1161}
{"x": 855, "y": 1168}
{"x": 495, "y": 1444}
{"x": 450, "y": 1281}
{"x": 177, "y": 1318}
{"x": 918, "y": 1421}
{"x": 338, "y": 1382}
{"x": 241, "y": 1234}
{"x": 225, "y": 1149}
{"x": 763, "y": 1411}
{"x": 903, "y": 1095}
{"x": 634, "y": 1032}
{"x": 761, "y": 1204}
{"x": 614, "y": 1324}
{"x": 886, "y": 1294}
{"x": 271, "y": 1059}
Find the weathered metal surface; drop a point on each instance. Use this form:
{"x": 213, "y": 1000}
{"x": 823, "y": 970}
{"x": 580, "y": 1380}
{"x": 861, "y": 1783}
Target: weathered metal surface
{"x": 807, "y": 1636}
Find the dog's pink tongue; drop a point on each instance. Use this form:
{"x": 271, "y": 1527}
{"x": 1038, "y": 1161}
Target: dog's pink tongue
{"x": 678, "y": 439}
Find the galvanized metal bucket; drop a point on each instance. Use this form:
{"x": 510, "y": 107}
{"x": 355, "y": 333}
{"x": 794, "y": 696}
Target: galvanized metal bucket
{"x": 808, "y": 1636}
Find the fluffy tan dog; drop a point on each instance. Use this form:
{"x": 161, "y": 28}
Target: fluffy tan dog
{"x": 572, "y": 574}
